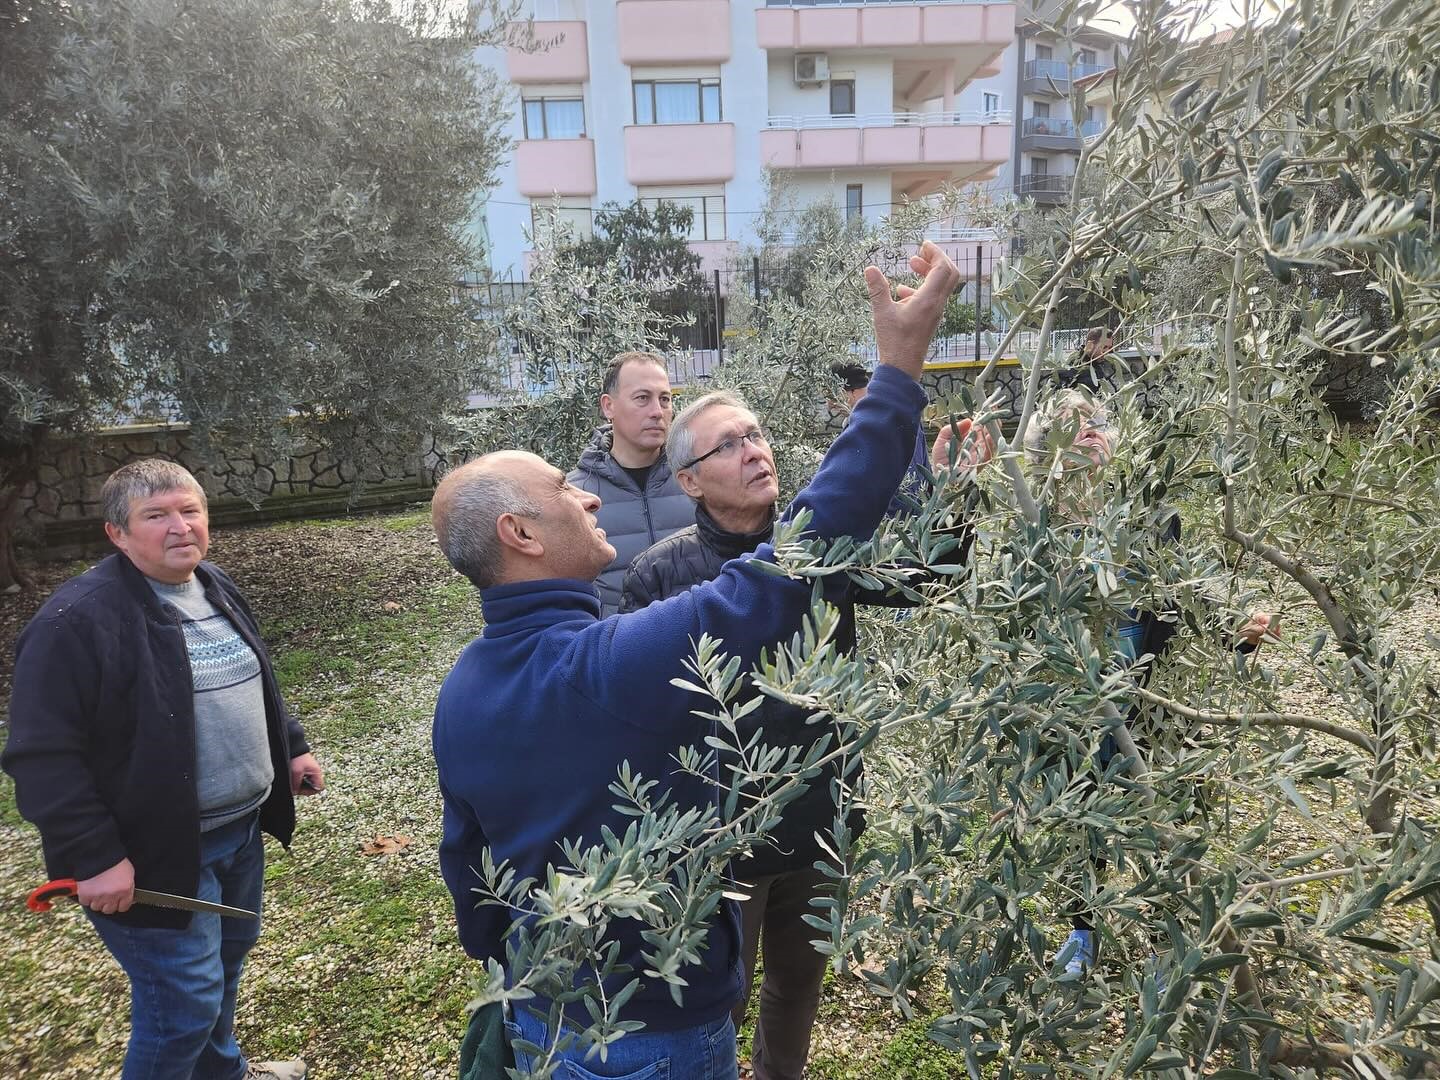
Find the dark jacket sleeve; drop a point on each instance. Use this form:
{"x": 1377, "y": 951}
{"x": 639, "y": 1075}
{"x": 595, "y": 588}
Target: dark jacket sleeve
{"x": 964, "y": 534}
{"x": 639, "y": 589}
{"x": 53, "y": 711}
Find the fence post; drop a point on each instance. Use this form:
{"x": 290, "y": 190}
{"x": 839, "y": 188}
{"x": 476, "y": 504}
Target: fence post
{"x": 719, "y": 322}
{"x": 979, "y": 253}
{"x": 755, "y": 269}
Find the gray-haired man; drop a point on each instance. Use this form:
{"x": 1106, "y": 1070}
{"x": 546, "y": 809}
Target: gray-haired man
{"x": 150, "y": 745}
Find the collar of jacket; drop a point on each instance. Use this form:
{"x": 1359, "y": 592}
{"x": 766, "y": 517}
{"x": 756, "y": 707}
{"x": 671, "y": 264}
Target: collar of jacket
{"x": 520, "y": 606}
{"x": 730, "y": 544}
{"x": 597, "y": 460}
{"x": 147, "y": 598}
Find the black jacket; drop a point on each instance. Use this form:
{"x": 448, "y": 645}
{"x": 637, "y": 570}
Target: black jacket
{"x": 696, "y": 554}
{"x": 102, "y": 732}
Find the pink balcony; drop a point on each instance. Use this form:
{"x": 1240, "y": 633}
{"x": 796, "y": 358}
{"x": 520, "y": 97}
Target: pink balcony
{"x": 679, "y": 153}
{"x": 545, "y": 167}
{"x": 673, "y": 31}
{"x": 564, "y": 58}
{"x": 962, "y": 143}
{"x": 893, "y": 26}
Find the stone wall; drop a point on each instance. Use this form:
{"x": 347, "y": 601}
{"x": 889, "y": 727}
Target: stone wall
{"x": 60, "y": 512}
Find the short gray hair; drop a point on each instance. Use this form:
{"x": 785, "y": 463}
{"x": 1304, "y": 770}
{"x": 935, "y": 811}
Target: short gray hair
{"x": 680, "y": 443}
{"x": 465, "y": 521}
{"x": 139, "y": 480}
{"x": 1064, "y": 404}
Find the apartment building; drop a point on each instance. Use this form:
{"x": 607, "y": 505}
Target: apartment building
{"x": 1048, "y": 137}
{"x": 864, "y": 103}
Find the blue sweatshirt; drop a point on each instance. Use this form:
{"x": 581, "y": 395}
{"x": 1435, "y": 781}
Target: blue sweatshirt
{"x": 540, "y": 711}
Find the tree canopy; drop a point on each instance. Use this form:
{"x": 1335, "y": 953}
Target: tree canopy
{"x": 242, "y": 214}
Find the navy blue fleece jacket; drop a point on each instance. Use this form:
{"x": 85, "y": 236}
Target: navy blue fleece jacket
{"x": 540, "y": 711}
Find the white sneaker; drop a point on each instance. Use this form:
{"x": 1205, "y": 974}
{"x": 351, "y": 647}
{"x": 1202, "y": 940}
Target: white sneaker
{"x": 293, "y": 1069}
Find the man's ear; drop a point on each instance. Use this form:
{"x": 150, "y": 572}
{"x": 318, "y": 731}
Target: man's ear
{"x": 518, "y": 534}
{"x": 115, "y": 534}
{"x": 688, "y": 483}
{"x": 607, "y": 406}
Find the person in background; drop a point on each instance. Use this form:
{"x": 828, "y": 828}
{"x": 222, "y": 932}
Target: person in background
{"x": 855, "y": 381}
{"x": 1091, "y": 367}
{"x": 625, "y": 466}
{"x": 151, "y": 747}
{"x": 724, "y": 462}
{"x": 1140, "y": 637}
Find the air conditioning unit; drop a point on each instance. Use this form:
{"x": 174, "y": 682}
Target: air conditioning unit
{"x": 811, "y": 67}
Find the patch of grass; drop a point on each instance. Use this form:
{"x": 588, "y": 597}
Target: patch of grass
{"x": 415, "y": 519}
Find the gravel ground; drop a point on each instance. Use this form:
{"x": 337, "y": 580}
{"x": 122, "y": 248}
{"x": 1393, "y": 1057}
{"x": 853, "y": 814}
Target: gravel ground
{"x": 357, "y": 969}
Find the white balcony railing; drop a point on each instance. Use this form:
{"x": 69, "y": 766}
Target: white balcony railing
{"x": 946, "y": 234}
{"x": 892, "y": 119}
{"x": 870, "y": 3}
{"x": 1058, "y": 71}
{"x": 1060, "y": 128}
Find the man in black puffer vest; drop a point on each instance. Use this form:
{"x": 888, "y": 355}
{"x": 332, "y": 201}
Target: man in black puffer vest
{"x": 723, "y": 461}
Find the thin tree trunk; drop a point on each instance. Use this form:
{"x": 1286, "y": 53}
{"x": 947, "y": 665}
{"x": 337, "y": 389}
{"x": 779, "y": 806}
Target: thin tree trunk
{"x": 18, "y": 467}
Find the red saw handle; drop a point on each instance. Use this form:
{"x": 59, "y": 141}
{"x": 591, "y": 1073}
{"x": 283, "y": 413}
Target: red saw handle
{"x": 40, "y": 899}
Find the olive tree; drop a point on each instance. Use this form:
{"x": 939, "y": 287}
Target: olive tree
{"x": 1259, "y": 852}
{"x": 243, "y": 214}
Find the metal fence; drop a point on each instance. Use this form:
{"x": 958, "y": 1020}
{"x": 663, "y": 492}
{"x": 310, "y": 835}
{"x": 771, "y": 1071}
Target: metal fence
{"x": 694, "y": 350}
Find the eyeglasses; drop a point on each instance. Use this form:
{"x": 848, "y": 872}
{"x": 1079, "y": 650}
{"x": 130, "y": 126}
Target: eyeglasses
{"x": 755, "y": 437}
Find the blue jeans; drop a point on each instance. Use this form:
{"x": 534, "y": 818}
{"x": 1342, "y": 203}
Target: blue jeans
{"x": 706, "y": 1052}
{"x": 183, "y": 982}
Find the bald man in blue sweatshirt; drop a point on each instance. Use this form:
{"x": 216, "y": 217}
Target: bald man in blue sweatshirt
{"x": 539, "y": 712}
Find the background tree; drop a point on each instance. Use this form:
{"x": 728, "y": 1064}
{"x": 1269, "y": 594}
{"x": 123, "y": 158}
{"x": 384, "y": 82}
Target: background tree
{"x": 243, "y": 214}
{"x": 648, "y": 242}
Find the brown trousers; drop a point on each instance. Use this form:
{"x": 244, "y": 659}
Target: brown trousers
{"x": 790, "y": 989}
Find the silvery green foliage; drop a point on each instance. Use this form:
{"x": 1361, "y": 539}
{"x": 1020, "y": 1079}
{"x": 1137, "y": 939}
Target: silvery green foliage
{"x": 805, "y": 322}
{"x": 1262, "y": 864}
{"x": 249, "y": 212}
{"x": 556, "y": 340}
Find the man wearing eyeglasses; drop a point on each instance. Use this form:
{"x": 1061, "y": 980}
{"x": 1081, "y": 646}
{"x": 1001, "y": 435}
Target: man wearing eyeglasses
{"x": 538, "y": 715}
{"x": 724, "y": 462}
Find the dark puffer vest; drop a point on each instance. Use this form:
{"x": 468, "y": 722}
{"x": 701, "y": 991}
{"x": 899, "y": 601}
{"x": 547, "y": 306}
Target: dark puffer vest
{"x": 696, "y": 554}
{"x": 632, "y": 519}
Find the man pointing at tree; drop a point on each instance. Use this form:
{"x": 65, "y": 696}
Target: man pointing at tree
{"x": 538, "y": 714}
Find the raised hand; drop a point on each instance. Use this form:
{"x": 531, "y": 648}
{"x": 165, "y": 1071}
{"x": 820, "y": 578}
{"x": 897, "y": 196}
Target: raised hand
{"x": 905, "y": 325}
{"x": 973, "y": 446}
{"x": 1259, "y": 626}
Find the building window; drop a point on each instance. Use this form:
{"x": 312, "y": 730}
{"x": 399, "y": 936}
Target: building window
{"x": 1087, "y": 57}
{"x": 1043, "y": 52}
{"x": 854, "y": 202}
{"x": 554, "y": 118}
{"x": 1040, "y": 166}
{"x": 1042, "y": 109}
{"x": 690, "y": 101}
{"x": 991, "y": 102}
{"x": 571, "y": 220}
{"x": 707, "y": 208}
{"x": 842, "y": 97}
